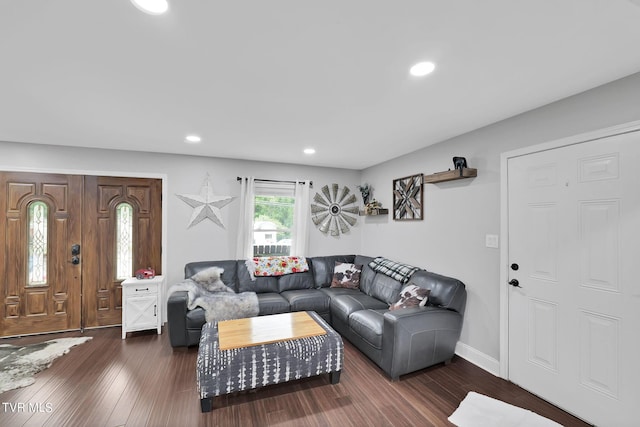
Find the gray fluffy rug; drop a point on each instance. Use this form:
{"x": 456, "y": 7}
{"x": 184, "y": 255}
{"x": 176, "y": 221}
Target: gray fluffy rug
{"x": 18, "y": 364}
{"x": 221, "y": 305}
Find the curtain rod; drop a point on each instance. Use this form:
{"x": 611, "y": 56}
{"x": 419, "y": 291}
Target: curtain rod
{"x": 276, "y": 180}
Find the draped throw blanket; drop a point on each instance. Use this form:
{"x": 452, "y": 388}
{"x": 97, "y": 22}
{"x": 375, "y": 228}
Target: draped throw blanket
{"x": 219, "y": 305}
{"x": 396, "y": 270}
{"x": 276, "y": 266}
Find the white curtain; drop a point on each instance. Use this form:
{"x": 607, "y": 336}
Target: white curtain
{"x": 301, "y": 217}
{"x": 244, "y": 246}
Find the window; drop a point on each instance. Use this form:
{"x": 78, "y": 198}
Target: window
{"x": 273, "y": 218}
{"x": 124, "y": 241}
{"x": 38, "y": 217}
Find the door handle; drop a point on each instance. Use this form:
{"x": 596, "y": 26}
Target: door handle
{"x": 75, "y": 260}
{"x": 515, "y": 283}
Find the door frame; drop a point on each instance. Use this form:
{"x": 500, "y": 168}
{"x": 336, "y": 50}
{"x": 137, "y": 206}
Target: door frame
{"x": 504, "y": 218}
{"x": 162, "y": 176}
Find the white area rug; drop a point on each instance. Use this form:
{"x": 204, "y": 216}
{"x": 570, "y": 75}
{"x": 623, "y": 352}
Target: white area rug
{"x": 18, "y": 364}
{"x": 478, "y": 410}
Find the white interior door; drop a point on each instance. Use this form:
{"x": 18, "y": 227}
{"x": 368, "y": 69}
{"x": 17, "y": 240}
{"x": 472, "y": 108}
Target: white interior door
{"x": 574, "y": 320}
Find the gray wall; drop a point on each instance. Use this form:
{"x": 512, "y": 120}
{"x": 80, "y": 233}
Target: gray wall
{"x": 451, "y": 238}
{"x": 185, "y": 175}
{"x": 458, "y": 214}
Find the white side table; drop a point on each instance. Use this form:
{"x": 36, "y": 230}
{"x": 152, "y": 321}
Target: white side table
{"x": 142, "y": 304}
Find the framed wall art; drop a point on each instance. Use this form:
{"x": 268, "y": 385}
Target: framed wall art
{"x": 407, "y": 198}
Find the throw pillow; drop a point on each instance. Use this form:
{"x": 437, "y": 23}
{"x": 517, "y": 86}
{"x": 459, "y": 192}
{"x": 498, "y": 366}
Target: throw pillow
{"x": 412, "y": 296}
{"x": 346, "y": 275}
{"x": 209, "y": 278}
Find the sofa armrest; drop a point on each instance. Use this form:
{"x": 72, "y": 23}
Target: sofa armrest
{"x": 177, "y": 318}
{"x": 415, "y": 338}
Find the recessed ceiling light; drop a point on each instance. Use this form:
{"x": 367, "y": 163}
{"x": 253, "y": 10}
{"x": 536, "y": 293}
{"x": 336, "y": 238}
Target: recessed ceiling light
{"x": 309, "y": 151}
{"x": 194, "y": 139}
{"x": 422, "y": 69}
{"x": 152, "y": 7}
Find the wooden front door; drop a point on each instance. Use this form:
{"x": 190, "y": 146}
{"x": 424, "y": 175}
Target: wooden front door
{"x": 102, "y": 283}
{"x": 40, "y": 222}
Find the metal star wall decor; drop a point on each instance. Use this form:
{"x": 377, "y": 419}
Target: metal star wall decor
{"x": 330, "y": 214}
{"x": 206, "y": 204}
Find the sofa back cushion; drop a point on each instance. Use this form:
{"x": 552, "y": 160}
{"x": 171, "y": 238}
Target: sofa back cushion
{"x": 259, "y": 286}
{"x": 290, "y": 282}
{"x": 367, "y": 275}
{"x": 322, "y": 268}
{"x": 385, "y": 288}
{"x": 229, "y": 276}
{"x": 446, "y": 292}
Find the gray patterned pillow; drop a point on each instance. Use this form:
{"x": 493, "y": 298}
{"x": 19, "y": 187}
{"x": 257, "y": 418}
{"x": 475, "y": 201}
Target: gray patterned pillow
{"x": 411, "y": 296}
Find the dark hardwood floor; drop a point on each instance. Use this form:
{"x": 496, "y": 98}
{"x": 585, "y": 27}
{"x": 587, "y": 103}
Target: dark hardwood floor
{"x": 142, "y": 381}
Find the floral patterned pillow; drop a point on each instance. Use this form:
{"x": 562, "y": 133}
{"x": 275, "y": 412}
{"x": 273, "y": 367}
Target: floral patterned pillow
{"x": 412, "y": 296}
{"x": 346, "y": 275}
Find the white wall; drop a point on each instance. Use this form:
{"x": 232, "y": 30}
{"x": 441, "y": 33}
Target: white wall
{"x": 185, "y": 174}
{"x": 458, "y": 214}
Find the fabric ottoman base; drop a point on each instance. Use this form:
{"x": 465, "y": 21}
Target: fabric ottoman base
{"x": 222, "y": 372}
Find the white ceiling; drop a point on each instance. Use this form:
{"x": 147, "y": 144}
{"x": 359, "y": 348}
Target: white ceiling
{"x": 262, "y": 80}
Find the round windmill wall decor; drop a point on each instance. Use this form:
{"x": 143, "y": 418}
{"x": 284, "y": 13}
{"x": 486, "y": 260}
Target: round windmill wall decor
{"x": 331, "y": 212}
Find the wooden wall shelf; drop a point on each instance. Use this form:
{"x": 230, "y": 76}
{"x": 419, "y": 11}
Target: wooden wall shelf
{"x": 375, "y": 212}
{"x": 450, "y": 175}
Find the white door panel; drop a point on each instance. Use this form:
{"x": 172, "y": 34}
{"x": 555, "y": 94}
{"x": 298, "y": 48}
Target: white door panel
{"x": 574, "y": 320}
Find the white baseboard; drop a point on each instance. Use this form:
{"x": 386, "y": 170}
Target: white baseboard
{"x": 478, "y": 358}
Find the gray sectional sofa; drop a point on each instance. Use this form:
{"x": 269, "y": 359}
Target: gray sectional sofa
{"x": 398, "y": 341}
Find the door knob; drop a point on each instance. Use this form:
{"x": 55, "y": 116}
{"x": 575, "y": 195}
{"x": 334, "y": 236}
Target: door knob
{"x": 75, "y": 260}
{"x": 514, "y": 282}
{"x": 515, "y": 266}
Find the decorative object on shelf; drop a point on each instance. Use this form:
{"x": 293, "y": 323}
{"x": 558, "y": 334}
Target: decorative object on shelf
{"x": 374, "y": 207}
{"x": 331, "y": 213}
{"x": 145, "y": 273}
{"x": 206, "y": 204}
{"x": 460, "y": 163}
{"x": 450, "y": 175}
{"x": 365, "y": 190}
{"x": 407, "y": 198}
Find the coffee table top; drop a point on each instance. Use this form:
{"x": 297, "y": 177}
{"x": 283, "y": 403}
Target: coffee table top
{"x": 252, "y": 331}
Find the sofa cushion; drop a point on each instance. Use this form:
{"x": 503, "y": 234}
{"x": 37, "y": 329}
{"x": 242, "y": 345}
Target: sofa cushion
{"x": 346, "y": 275}
{"x": 229, "y": 277}
{"x": 211, "y": 280}
{"x": 332, "y": 292}
{"x": 196, "y": 318}
{"x": 260, "y": 285}
{"x": 411, "y": 296}
{"x": 446, "y": 292}
{"x": 272, "y": 303}
{"x": 307, "y": 300}
{"x": 343, "y": 305}
{"x": 322, "y": 268}
{"x": 296, "y": 281}
{"x": 367, "y": 275}
{"x": 385, "y": 289}
{"x": 368, "y": 324}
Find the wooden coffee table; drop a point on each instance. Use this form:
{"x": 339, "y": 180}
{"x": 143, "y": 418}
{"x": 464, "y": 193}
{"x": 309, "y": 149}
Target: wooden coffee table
{"x": 252, "y": 331}
{"x": 265, "y": 350}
